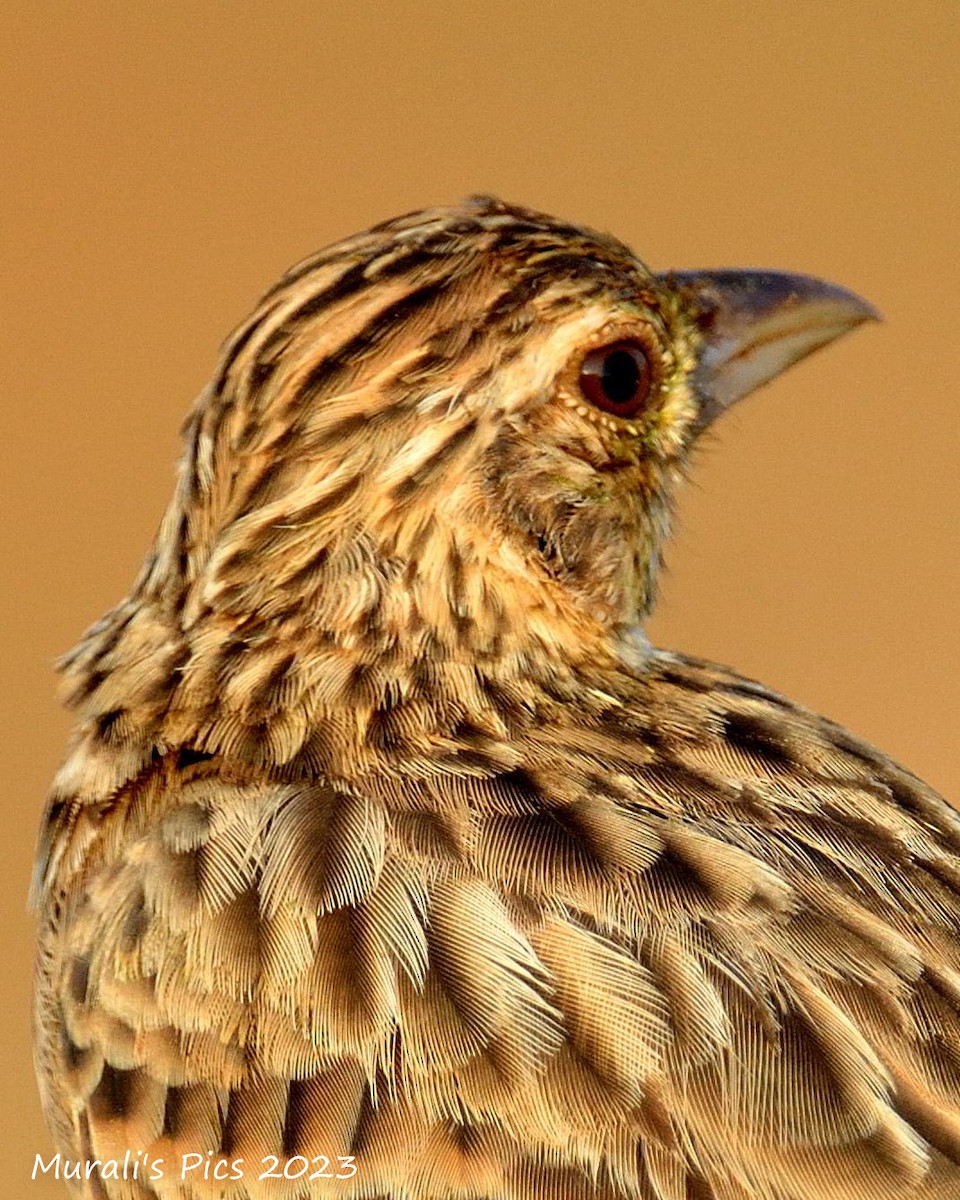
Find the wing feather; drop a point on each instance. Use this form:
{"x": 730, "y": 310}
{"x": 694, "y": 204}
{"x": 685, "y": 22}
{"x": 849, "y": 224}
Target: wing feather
{"x": 683, "y": 942}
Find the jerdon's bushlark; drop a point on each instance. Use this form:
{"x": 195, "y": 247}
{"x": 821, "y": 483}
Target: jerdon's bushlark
{"x": 388, "y": 855}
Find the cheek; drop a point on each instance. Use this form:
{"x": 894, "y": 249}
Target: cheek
{"x": 564, "y": 434}
{"x": 659, "y": 436}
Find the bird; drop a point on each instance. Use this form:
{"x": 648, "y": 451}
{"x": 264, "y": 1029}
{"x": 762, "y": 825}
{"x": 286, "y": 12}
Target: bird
{"x": 389, "y": 859}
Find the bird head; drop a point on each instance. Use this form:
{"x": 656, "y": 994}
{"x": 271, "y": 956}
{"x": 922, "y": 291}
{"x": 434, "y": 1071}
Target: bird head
{"x": 455, "y": 438}
{"x": 485, "y": 404}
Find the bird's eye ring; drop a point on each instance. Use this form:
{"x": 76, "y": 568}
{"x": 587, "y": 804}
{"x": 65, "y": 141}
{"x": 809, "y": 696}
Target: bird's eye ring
{"x": 617, "y": 378}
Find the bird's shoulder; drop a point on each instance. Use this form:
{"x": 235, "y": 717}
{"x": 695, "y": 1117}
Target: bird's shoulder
{"x": 675, "y": 931}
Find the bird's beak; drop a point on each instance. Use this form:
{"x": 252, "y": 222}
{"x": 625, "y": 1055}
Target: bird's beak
{"x": 756, "y": 324}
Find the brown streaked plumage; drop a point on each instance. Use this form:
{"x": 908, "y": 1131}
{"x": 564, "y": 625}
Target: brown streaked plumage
{"x": 385, "y": 836}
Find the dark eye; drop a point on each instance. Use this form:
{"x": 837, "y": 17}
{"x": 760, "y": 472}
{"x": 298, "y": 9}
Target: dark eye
{"x": 617, "y": 378}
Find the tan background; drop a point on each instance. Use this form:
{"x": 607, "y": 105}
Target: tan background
{"x": 164, "y": 162}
